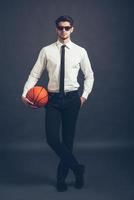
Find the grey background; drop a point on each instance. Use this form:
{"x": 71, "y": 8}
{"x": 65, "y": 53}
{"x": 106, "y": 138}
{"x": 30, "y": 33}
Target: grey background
{"x": 104, "y": 138}
{"x": 105, "y": 29}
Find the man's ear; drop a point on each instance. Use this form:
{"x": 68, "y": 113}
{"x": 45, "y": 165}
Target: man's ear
{"x": 72, "y": 29}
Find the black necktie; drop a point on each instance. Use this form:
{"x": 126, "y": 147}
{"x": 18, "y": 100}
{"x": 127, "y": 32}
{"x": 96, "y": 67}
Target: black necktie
{"x": 61, "y": 88}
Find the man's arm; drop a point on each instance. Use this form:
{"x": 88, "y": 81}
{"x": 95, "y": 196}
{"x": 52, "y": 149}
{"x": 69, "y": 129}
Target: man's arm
{"x": 88, "y": 76}
{"x": 34, "y": 76}
{"x": 36, "y": 72}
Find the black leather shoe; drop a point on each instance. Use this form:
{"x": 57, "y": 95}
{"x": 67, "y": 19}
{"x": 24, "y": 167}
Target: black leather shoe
{"x": 79, "y": 176}
{"x": 61, "y": 186}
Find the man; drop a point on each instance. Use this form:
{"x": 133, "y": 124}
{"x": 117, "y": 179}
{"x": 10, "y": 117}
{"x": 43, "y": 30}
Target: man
{"x": 63, "y": 60}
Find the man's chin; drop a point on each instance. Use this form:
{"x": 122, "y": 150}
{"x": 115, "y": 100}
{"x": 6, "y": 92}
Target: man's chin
{"x": 64, "y": 38}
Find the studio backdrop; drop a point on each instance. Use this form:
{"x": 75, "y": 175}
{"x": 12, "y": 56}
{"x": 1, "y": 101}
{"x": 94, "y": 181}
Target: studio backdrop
{"x": 104, "y": 29}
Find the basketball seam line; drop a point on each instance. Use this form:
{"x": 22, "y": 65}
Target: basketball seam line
{"x": 42, "y": 98}
{"x": 38, "y": 95}
{"x": 31, "y": 99}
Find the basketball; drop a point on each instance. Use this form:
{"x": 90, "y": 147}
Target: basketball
{"x": 38, "y": 95}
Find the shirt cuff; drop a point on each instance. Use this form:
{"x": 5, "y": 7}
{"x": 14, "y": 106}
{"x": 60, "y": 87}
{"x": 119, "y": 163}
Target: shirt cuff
{"x": 85, "y": 95}
{"x": 24, "y": 93}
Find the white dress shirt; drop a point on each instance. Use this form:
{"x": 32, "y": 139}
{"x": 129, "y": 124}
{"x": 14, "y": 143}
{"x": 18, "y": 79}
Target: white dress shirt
{"x": 75, "y": 58}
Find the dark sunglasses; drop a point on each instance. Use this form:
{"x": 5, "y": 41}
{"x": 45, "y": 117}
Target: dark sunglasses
{"x": 67, "y": 28}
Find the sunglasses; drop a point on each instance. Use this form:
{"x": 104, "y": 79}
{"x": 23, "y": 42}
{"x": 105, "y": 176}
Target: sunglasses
{"x": 67, "y": 28}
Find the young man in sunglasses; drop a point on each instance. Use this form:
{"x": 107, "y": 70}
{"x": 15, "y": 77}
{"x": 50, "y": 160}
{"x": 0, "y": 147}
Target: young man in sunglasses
{"x": 63, "y": 60}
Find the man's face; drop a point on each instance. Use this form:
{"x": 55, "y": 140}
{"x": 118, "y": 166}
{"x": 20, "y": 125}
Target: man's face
{"x": 64, "y": 30}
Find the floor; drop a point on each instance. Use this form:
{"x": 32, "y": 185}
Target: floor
{"x": 30, "y": 175}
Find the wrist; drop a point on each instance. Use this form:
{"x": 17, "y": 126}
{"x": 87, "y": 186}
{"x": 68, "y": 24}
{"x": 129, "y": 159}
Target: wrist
{"x": 83, "y": 98}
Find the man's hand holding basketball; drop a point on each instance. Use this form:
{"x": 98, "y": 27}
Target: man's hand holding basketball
{"x": 28, "y": 103}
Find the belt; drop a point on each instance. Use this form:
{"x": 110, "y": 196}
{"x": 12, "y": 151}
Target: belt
{"x": 65, "y": 93}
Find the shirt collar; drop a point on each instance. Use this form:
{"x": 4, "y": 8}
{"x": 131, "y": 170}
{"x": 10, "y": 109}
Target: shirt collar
{"x": 68, "y": 45}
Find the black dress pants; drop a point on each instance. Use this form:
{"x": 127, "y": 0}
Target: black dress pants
{"x": 61, "y": 114}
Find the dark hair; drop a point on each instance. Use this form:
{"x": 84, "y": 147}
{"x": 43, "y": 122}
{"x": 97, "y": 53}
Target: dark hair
{"x": 64, "y": 18}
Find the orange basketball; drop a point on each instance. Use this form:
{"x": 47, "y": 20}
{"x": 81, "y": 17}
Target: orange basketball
{"x": 38, "y": 95}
